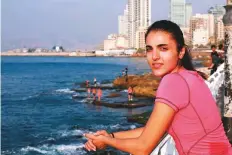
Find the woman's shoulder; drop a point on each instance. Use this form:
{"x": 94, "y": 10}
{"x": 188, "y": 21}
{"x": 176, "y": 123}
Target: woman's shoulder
{"x": 172, "y": 77}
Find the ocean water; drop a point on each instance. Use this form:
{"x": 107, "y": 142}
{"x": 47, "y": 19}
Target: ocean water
{"x": 39, "y": 115}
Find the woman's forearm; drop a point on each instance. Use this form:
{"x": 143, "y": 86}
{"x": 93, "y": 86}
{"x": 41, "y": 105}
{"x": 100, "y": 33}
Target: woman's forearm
{"x": 134, "y": 133}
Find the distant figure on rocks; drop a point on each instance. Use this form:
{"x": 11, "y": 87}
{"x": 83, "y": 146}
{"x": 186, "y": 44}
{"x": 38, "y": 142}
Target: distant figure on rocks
{"x": 126, "y": 71}
{"x": 87, "y": 83}
{"x": 130, "y": 93}
{"x": 95, "y": 82}
{"x": 215, "y": 60}
{"x": 88, "y": 92}
{"x": 94, "y": 91}
{"x": 123, "y": 73}
{"x": 99, "y": 94}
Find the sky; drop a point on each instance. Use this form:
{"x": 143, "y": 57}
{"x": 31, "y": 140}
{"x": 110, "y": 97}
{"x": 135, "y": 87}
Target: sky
{"x": 74, "y": 24}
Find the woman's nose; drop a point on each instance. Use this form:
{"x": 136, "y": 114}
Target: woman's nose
{"x": 155, "y": 55}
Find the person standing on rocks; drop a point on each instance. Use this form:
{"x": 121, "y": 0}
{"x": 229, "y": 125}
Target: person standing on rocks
{"x": 99, "y": 94}
{"x": 126, "y": 74}
{"x": 126, "y": 71}
{"x": 94, "y": 91}
{"x": 88, "y": 92}
{"x": 184, "y": 106}
{"x": 130, "y": 93}
{"x": 87, "y": 83}
{"x": 95, "y": 82}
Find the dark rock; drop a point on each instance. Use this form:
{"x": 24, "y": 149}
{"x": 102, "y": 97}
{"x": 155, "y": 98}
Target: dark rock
{"x": 74, "y": 127}
{"x": 112, "y": 95}
{"x": 127, "y": 104}
{"x": 139, "y": 118}
{"x": 78, "y": 97}
{"x": 79, "y": 89}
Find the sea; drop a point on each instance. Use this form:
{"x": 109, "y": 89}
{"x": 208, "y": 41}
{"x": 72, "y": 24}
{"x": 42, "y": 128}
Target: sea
{"x": 38, "y": 113}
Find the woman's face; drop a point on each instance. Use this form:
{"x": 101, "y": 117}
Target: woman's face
{"x": 162, "y": 55}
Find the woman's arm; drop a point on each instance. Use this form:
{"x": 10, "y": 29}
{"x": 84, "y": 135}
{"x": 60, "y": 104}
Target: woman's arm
{"x": 94, "y": 144}
{"x": 134, "y": 133}
{"x": 156, "y": 126}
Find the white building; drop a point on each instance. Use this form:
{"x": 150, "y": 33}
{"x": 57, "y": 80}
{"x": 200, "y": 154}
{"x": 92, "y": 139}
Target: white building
{"x": 186, "y": 34}
{"x": 109, "y": 44}
{"x": 115, "y": 52}
{"x": 177, "y": 12}
{"x": 219, "y": 29}
{"x": 122, "y": 42}
{"x": 217, "y": 11}
{"x": 188, "y": 14}
{"x": 115, "y": 41}
{"x": 180, "y": 12}
{"x": 123, "y": 23}
{"x": 202, "y": 21}
{"x": 139, "y": 15}
{"x": 140, "y": 37}
{"x": 200, "y": 37}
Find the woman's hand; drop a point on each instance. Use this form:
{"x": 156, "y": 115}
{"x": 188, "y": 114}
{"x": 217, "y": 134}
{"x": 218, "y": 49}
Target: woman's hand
{"x": 92, "y": 145}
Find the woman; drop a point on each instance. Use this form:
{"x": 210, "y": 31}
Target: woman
{"x": 184, "y": 106}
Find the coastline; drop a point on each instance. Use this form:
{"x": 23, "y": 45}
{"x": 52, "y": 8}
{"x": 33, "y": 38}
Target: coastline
{"x": 63, "y": 54}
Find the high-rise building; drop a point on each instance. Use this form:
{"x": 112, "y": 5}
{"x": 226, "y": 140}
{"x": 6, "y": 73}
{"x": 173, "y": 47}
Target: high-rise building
{"x": 123, "y": 23}
{"x": 180, "y": 12}
{"x": 188, "y": 14}
{"x": 217, "y": 11}
{"x": 177, "y": 12}
{"x": 201, "y": 23}
{"x": 139, "y": 15}
{"x": 140, "y": 37}
{"x": 219, "y": 29}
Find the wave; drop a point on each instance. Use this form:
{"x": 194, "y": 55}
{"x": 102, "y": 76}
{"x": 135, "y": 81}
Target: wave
{"x": 124, "y": 90}
{"x": 69, "y": 149}
{"x": 114, "y": 127}
{"x": 30, "y": 97}
{"x": 29, "y": 148}
{"x": 76, "y": 132}
{"x": 64, "y": 90}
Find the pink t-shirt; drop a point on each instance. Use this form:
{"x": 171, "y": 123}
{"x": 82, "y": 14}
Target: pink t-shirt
{"x": 197, "y": 128}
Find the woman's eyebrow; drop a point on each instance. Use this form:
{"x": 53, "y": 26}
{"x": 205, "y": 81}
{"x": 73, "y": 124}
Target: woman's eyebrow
{"x": 160, "y": 45}
{"x": 148, "y": 46}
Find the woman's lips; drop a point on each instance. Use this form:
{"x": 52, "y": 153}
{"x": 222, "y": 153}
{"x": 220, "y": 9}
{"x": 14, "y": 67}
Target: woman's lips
{"x": 157, "y": 65}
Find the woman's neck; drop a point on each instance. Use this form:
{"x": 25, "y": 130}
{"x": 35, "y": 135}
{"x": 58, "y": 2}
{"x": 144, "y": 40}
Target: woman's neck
{"x": 177, "y": 69}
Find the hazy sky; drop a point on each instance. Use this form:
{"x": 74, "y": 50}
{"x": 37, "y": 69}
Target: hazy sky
{"x": 72, "y": 23}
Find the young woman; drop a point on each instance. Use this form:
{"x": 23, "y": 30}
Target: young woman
{"x": 184, "y": 106}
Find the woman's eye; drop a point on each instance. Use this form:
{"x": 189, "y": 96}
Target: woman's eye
{"x": 148, "y": 49}
{"x": 163, "y": 48}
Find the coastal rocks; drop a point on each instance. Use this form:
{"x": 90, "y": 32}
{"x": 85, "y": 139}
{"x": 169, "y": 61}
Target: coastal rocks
{"x": 140, "y": 118}
{"x": 143, "y": 85}
{"x": 148, "y": 91}
{"x": 126, "y": 104}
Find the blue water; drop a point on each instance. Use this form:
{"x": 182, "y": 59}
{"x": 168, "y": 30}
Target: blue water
{"x": 39, "y": 115}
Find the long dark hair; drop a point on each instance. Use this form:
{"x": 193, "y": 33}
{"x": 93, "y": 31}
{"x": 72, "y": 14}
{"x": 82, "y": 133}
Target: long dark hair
{"x": 174, "y": 30}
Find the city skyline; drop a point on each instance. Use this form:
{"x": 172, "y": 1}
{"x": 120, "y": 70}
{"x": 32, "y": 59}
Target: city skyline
{"x": 74, "y": 24}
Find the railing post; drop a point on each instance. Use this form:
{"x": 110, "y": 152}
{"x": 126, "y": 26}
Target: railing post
{"x": 227, "y": 20}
